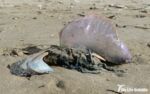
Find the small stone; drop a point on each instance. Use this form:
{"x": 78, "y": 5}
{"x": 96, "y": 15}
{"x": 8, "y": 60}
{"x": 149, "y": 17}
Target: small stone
{"x": 51, "y": 16}
{"x": 121, "y": 26}
{"x": 15, "y": 18}
{"x": 81, "y": 14}
{"x": 92, "y": 8}
{"x": 39, "y": 12}
{"x": 60, "y": 84}
{"x": 107, "y": 79}
{"x": 148, "y": 44}
{"x": 111, "y": 17}
{"x": 34, "y": 18}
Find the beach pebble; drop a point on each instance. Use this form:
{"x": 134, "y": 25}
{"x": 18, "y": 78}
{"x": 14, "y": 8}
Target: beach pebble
{"x": 81, "y": 14}
{"x": 60, "y": 84}
{"x": 111, "y": 17}
{"x": 34, "y": 18}
{"x": 148, "y": 44}
{"x": 15, "y": 18}
{"x": 39, "y": 12}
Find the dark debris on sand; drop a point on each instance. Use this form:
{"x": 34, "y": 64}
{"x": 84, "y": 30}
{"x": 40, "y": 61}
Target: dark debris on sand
{"x": 71, "y": 59}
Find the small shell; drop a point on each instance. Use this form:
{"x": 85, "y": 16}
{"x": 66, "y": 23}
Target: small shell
{"x": 99, "y": 35}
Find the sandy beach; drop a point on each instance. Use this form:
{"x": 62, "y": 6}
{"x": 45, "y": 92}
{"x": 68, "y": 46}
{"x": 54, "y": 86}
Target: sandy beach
{"x": 36, "y": 23}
